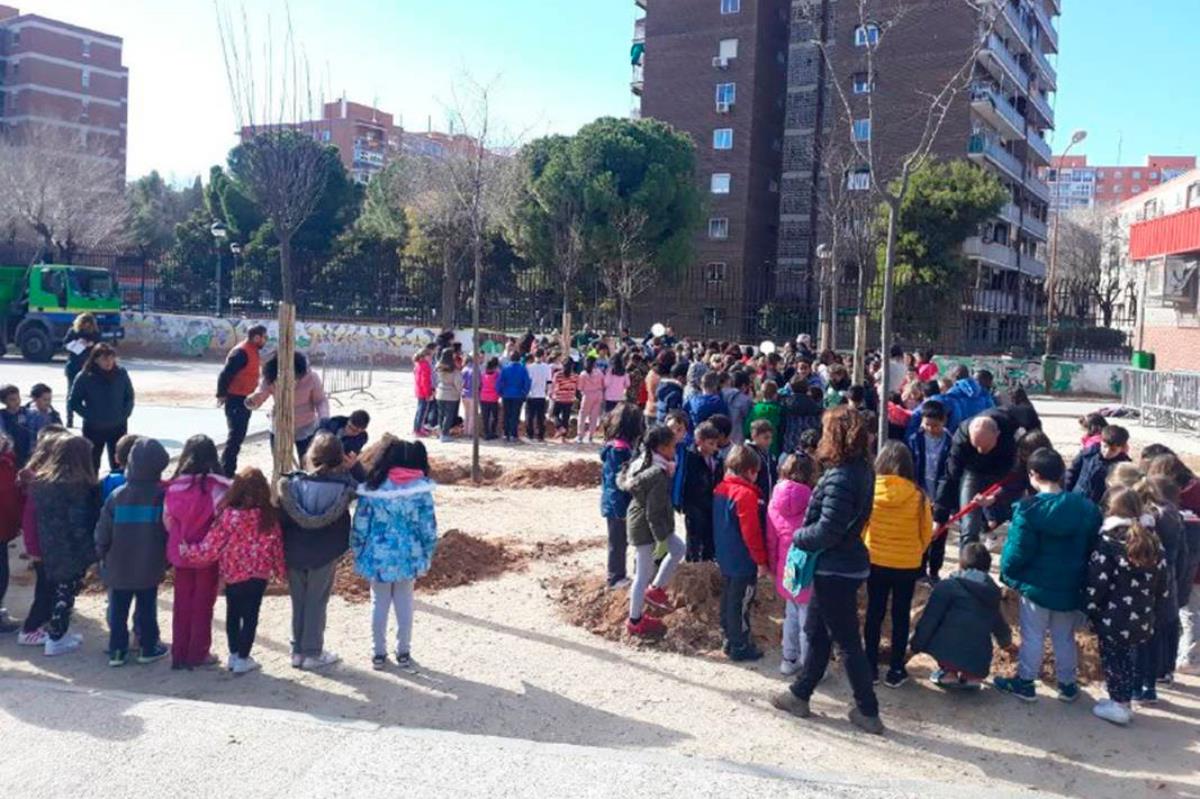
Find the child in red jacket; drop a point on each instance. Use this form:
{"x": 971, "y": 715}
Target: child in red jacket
{"x": 423, "y": 383}
{"x": 741, "y": 549}
{"x": 11, "y": 505}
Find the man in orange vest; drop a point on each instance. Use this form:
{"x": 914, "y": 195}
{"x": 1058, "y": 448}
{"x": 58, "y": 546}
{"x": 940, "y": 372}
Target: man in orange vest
{"x": 237, "y": 381}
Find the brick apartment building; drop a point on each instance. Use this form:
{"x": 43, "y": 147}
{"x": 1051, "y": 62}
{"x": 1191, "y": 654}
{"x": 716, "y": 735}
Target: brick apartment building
{"x": 1076, "y": 184}
{"x": 788, "y": 116}
{"x": 62, "y": 83}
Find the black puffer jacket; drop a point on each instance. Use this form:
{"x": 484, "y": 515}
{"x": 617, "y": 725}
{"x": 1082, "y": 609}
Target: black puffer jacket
{"x": 964, "y": 458}
{"x": 1123, "y": 600}
{"x": 960, "y": 620}
{"x": 66, "y": 524}
{"x": 315, "y": 518}
{"x": 833, "y": 524}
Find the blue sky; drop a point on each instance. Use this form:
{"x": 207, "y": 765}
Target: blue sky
{"x": 560, "y": 63}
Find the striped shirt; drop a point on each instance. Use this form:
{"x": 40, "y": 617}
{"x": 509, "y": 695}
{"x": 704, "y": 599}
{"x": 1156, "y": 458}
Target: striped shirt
{"x": 565, "y": 388}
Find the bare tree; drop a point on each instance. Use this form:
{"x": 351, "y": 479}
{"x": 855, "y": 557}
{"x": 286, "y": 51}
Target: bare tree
{"x": 1089, "y": 265}
{"x": 629, "y": 271}
{"x": 890, "y": 173}
{"x": 283, "y": 169}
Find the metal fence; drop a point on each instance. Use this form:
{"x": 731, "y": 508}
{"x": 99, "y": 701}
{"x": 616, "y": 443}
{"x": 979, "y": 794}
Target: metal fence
{"x": 352, "y": 374}
{"x": 1163, "y": 399}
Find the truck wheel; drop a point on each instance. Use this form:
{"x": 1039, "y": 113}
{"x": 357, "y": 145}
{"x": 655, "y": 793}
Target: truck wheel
{"x": 35, "y": 345}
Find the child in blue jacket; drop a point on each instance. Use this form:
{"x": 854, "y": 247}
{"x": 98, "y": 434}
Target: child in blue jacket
{"x": 622, "y": 431}
{"x": 741, "y": 549}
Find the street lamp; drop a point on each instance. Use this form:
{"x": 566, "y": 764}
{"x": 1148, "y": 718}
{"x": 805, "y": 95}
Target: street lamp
{"x": 219, "y": 233}
{"x": 1052, "y": 276}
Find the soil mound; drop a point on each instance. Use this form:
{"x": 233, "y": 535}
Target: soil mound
{"x": 462, "y": 559}
{"x": 449, "y": 473}
{"x": 572, "y": 474}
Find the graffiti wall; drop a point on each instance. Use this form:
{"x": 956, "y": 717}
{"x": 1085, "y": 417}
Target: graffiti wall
{"x": 1080, "y": 378}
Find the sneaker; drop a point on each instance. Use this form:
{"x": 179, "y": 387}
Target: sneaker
{"x": 297, "y": 661}
{"x": 939, "y": 678}
{"x": 788, "y": 702}
{"x": 118, "y": 658}
{"x": 35, "y": 638}
{"x": 896, "y": 677}
{"x": 1166, "y": 680}
{"x": 874, "y": 676}
{"x": 246, "y": 665}
{"x": 747, "y": 654}
{"x": 789, "y": 667}
{"x": 68, "y": 643}
{"x": 379, "y": 662}
{"x": 156, "y": 652}
{"x": 1021, "y": 689}
{"x": 321, "y": 661}
{"x": 1113, "y": 712}
{"x": 404, "y": 660}
{"x": 646, "y": 627}
{"x": 868, "y": 724}
{"x": 1068, "y": 692}
{"x": 657, "y": 598}
{"x": 617, "y": 585}
{"x": 1149, "y": 696}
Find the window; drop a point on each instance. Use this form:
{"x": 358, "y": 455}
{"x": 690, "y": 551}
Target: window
{"x": 862, "y": 83}
{"x": 720, "y": 182}
{"x": 862, "y": 130}
{"x": 1136, "y": 189}
{"x": 1154, "y": 176}
{"x": 1117, "y": 174}
{"x": 731, "y": 6}
{"x": 727, "y": 93}
{"x": 326, "y": 135}
{"x": 1100, "y": 189}
{"x": 1118, "y": 188}
{"x": 715, "y": 272}
{"x": 16, "y": 70}
{"x": 87, "y": 48}
{"x": 86, "y": 78}
{"x": 714, "y": 317}
{"x": 16, "y": 37}
{"x": 1100, "y": 174}
{"x": 866, "y": 35}
{"x": 1137, "y": 174}
{"x": 83, "y": 113}
{"x": 723, "y": 139}
{"x": 728, "y": 49}
{"x": 718, "y": 228}
{"x": 858, "y": 179}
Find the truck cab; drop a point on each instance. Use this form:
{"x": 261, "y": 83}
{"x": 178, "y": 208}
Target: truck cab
{"x": 38, "y": 304}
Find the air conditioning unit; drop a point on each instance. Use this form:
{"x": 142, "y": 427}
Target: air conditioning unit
{"x": 724, "y": 108}
{"x": 720, "y": 62}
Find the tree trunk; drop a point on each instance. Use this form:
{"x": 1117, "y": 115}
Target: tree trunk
{"x": 566, "y": 317}
{"x": 449, "y": 313}
{"x": 476, "y": 350}
{"x": 885, "y": 332}
{"x": 861, "y": 319}
{"x": 283, "y": 424}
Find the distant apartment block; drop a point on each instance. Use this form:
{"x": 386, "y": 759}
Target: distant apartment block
{"x": 62, "y": 83}
{"x": 1076, "y": 184}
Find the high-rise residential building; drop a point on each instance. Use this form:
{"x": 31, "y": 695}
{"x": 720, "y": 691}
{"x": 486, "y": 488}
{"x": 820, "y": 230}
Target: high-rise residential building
{"x": 999, "y": 119}
{"x": 1076, "y": 184}
{"x": 62, "y": 84}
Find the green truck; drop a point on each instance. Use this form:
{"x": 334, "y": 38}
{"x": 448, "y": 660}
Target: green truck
{"x": 38, "y": 304}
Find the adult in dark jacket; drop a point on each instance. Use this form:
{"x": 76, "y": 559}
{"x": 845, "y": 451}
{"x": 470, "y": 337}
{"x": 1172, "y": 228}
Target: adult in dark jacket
{"x": 83, "y": 335}
{"x": 103, "y": 395}
{"x": 833, "y": 532}
{"x": 238, "y": 380}
{"x": 798, "y": 412}
{"x": 315, "y": 517}
{"x": 982, "y": 453}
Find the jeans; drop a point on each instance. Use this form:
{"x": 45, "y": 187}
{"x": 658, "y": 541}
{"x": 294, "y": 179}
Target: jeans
{"x": 535, "y": 418}
{"x": 512, "y": 417}
{"x": 737, "y": 594}
{"x": 422, "y": 412}
{"x": 645, "y": 575}
{"x": 145, "y": 619}
{"x": 618, "y": 542}
{"x": 1119, "y": 661}
{"x": 191, "y": 621}
{"x": 833, "y": 618}
{"x": 899, "y": 584}
{"x": 43, "y": 600}
{"x": 397, "y": 597}
{"x": 972, "y": 525}
{"x": 237, "y": 422}
{"x": 794, "y": 642}
{"x": 447, "y": 417}
{"x": 63, "y": 602}
{"x": 1035, "y": 621}
{"x": 1188, "y": 657}
{"x": 103, "y": 438}
{"x": 309, "y": 590}
{"x": 489, "y": 410}
{"x": 242, "y": 603}
{"x": 699, "y": 526}
{"x": 562, "y": 417}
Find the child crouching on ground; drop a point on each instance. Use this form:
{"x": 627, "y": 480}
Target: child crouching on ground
{"x": 785, "y": 515}
{"x": 131, "y": 543}
{"x": 394, "y": 537}
{"x": 1128, "y": 584}
{"x": 247, "y": 544}
{"x": 960, "y": 620}
{"x": 651, "y": 525}
{"x": 741, "y": 550}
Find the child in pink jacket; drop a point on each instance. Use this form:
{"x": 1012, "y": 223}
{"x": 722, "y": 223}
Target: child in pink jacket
{"x": 591, "y": 389}
{"x": 785, "y": 515}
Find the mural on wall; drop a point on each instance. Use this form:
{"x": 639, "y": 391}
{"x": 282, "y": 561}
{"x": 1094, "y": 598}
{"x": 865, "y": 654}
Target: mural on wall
{"x": 172, "y": 335}
{"x": 1103, "y": 379}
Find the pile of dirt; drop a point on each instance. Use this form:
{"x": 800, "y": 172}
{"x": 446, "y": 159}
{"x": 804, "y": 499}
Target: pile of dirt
{"x": 448, "y": 473}
{"x": 578, "y": 473}
{"x": 563, "y": 547}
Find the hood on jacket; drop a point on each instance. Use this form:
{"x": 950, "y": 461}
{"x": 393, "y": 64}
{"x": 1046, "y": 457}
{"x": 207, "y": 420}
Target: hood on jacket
{"x": 979, "y": 585}
{"x": 967, "y": 387}
{"x": 893, "y": 492}
{"x": 147, "y": 461}
{"x": 1057, "y": 515}
{"x": 315, "y": 502}
{"x": 638, "y": 477}
{"x": 391, "y": 490}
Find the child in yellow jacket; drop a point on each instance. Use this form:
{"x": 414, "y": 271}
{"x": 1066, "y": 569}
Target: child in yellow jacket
{"x": 897, "y": 536}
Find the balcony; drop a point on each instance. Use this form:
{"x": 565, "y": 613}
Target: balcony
{"x": 1037, "y": 187}
{"x": 996, "y": 109}
{"x": 1039, "y": 147}
{"x": 1049, "y": 34}
{"x": 981, "y": 146}
{"x": 639, "y": 30}
{"x": 1032, "y": 266}
{"x": 1013, "y": 22}
{"x": 991, "y": 252}
{"x": 1035, "y": 226}
{"x": 1003, "y": 63}
{"x": 1042, "y": 106}
{"x": 1010, "y": 213}
{"x": 637, "y": 82}
{"x": 1047, "y": 75}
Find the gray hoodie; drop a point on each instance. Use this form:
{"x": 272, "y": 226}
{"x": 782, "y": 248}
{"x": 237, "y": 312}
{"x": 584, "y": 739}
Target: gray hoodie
{"x": 131, "y": 540}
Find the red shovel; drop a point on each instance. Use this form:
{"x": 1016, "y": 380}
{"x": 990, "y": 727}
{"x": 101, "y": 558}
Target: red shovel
{"x": 974, "y": 505}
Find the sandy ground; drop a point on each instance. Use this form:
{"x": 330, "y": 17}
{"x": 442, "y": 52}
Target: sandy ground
{"x": 496, "y": 659}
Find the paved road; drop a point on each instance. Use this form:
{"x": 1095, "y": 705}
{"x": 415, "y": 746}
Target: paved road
{"x": 64, "y": 741}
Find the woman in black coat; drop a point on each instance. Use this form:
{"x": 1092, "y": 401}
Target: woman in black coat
{"x": 103, "y": 395}
{"x": 83, "y": 335}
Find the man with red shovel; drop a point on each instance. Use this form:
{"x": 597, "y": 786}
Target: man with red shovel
{"x": 982, "y": 454}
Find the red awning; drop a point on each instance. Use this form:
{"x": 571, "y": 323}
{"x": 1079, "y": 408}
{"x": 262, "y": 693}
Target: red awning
{"x": 1175, "y": 234}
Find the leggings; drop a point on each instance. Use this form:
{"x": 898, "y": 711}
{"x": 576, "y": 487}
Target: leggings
{"x": 535, "y": 418}
{"x": 491, "y": 412}
{"x": 1119, "y": 661}
{"x": 397, "y": 596}
{"x": 242, "y": 603}
{"x": 43, "y": 600}
{"x": 645, "y": 576}
{"x": 562, "y": 417}
{"x": 618, "y": 542}
{"x": 64, "y": 602}
{"x": 103, "y": 438}
{"x": 899, "y": 584}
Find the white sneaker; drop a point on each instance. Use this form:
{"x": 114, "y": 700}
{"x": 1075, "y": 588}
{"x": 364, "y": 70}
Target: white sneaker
{"x": 321, "y": 661}
{"x": 297, "y": 661}
{"x": 68, "y": 643}
{"x": 789, "y": 667}
{"x": 231, "y": 662}
{"x": 246, "y": 665}
{"x": 1113, "y": 712}
{"x": 35, "y": 638}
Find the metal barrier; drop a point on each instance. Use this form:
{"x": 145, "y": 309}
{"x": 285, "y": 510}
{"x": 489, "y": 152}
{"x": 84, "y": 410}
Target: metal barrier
{"x": 1163, "y": 399}
{"x": 353, "y": 373}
